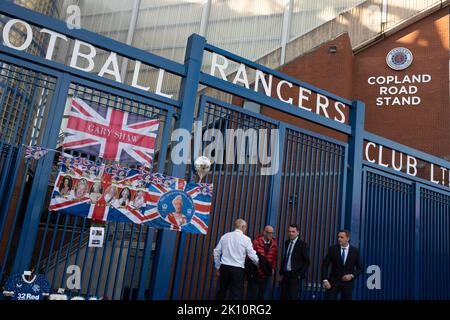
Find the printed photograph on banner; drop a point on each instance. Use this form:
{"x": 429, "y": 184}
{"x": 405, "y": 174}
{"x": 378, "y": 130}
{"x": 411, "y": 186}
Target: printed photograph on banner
{"x": 109, "y": 133}
{"x": 115, "y": 193}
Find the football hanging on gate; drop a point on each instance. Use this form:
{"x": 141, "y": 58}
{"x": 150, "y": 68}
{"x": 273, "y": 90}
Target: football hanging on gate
{"x": 202, "y": 166}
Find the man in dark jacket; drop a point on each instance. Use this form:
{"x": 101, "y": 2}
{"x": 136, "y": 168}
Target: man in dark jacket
{"x": 260, "y": 285}
{"x": 346, "y": 265}
{"x": 295, "y": 264}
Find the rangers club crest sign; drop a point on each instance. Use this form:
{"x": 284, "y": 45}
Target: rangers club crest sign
{"x": 399, "y": 58}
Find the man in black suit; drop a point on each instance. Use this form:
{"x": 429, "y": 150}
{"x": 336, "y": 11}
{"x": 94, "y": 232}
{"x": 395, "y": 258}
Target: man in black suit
{"x": 346, "y": 265}
{"x": 295, "y": 264}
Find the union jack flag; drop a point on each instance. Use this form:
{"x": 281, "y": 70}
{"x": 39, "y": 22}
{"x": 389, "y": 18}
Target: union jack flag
{"x": 35, "y": 152}
{"x": 110, "y": 133}
{"x": 159, "y": 201}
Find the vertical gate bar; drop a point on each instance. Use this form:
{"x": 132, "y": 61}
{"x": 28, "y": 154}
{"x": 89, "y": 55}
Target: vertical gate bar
{"x": 315, "y": 265}
{"x": 384, "y": 226}
{"x": 301, "y": 178}
{"x": 398, "y": 226}
{"x": 260, "y": 200}
{"x": 61, "y": 243}
{"x": 364, "y": 222}
{"x": 323, "y": 212}
{"x": 336, "y": 220}
{"x": 198, "y": 289}
{"x": 260, "y": 219}
{"x": 119, "y": 263}
{"x": 390, "y": 237}
{"x": 390, "y": 212}
{"x": 234, "y": 215}
{"x": 80, "y": 243}
{"x": 85, "y": 259}
{"x": 217, "y": 207}
{"x": 310, "y": 239}
{"x": 166, "y": 239}
{"x": 198, "y": 275}
{"x": 72, "y": 235}
{"x": 145, "y": 264}
{"x": 52, "y": 243}
{"x": 356, "y": 143}
{"x": 343, "y": 173}
{"x": 296, "y": 180}
{"x": 102, "y": 260}
{"x": 40, "y": 183}
{"x": 91, "y": 273}
{"x": 207, "y": 266}
{"x": 136, "y": 257}
{"x": 247, "y": 121}
{"x": 275, "y": 182}
{"x": 44, "y": 239}
{"x": 253, "y": 205}
{"x": 309, "y": 215}
{"x": 125, "y": 272}
{"x": 328, "y": 207}
{"x": 287, "y": 191}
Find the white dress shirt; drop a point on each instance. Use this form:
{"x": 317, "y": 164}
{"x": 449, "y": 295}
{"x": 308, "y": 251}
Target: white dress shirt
{"x": 345, "y": 252}
{"x": 232, "y": 249}
{"x": 288, "y": 264}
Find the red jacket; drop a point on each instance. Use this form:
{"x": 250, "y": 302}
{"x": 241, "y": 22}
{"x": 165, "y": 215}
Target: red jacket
{"x": 271, "y": 256}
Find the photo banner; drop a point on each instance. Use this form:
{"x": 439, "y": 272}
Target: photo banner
{"x": 112, "y": 193}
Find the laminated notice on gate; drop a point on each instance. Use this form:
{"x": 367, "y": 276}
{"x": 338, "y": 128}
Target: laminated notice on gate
{"x": 96, "y": 237}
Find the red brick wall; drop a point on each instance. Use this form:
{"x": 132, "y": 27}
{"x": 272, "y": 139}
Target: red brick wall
{"x": 424, "y": 127}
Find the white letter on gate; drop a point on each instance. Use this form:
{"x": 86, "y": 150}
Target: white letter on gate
{"x": 159, "y": 85}
{"x": 134, "y": 82}
{"x": 220, "y": 67}
{"x": 89, "y": 56}
{"x": 367, "y": 151}
{"x": 267, "y": 85}
{"x": 112, "y": 59}
{"x": 411, "y": 165}
{"x": 7, "y": 29}
{"x": 280, "y": 84}
{"x": 241, "y": 76}
{"x": 52, "y": 41}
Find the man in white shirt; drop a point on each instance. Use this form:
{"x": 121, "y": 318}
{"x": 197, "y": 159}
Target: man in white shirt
{"x": 229, "y": 260}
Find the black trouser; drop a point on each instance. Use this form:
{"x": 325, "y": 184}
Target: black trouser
{"x": 344, "y": 287}
{"x": 232, "y": 280}
{"x": 290, "y": 286}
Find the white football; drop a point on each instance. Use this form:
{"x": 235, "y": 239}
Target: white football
{"x": 202, "y": 166}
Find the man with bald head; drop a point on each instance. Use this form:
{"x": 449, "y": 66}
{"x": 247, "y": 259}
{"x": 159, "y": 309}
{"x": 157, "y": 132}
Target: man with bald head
{"x": 260, "y": 286}
{"x": 229, "y": 261}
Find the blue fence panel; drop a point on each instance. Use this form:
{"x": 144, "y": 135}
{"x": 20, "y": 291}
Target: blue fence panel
{"x": 434, "y": 251}
{"x": 387, "y": 235}
{"x": 25, "y": 96}
{"x": 240, "y": 190}
{"x": 311, "y": 195}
